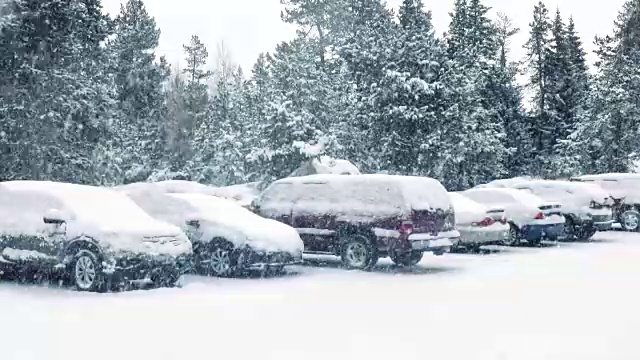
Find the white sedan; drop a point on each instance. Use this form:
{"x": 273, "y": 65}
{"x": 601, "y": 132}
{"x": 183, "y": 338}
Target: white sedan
{"x": 531, "y": 218}
{"x": 478, "y": 224}
{"x": 227, "y": 239}
{"x": 94, "y": 237}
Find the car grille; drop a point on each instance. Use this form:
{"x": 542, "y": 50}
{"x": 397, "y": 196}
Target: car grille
{"x": 601, "y": 218}
{"x": 162, "y": 240}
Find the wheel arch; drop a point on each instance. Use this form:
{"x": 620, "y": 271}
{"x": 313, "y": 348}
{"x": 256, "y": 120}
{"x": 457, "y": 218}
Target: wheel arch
{"x": 83, "y": 242}
{"x": 347, "y": 230}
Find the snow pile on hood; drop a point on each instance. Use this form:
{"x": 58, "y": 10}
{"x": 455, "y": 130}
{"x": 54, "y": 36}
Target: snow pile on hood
{"x": 467, "y": 211}
{"x": 112, "y": 219}
{"x": 223, "y": 218}
{"x": 218, "y": 218}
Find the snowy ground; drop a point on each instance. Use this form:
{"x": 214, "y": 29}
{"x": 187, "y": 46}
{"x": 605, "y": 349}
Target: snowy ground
{"x": 574, "y": 301}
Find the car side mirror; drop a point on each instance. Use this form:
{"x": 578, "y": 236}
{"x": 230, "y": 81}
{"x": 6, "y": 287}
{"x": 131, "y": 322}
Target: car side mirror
{"x": 254, "y": 205}
{"x": 54, "y": 216}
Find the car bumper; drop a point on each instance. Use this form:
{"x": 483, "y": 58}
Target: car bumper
{"x": 144, "y": 267}
{"x": 252, "y": 260}
{"x": 540, "y": 232}
{"x": 441, "y": 242}
{"x": 483, "y": 236}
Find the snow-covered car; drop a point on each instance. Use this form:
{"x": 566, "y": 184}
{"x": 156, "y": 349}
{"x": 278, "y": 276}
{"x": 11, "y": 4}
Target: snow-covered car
{"x": 227, "y": 238}
{"x": 586, "y": 207}
{"x": 361, "y": 218}
{"x": 530, "y": 218}
{"x": 624, "y": 190}
{"x": 478, "y": 224}
{"x": 94, "y": 236}
{"x": 241, "y": 194}
{"x": 504, "y": 183}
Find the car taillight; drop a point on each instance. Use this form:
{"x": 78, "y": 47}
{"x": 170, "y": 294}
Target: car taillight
{"x": 406, "y": 228}
{"x": 539, "y": 216}
{"x": 486, "y": 222}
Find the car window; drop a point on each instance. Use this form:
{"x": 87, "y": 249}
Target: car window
{"x": 24, "y": 210}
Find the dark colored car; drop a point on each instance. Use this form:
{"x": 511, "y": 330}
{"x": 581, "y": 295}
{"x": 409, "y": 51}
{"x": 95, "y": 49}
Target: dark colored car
{"x": 623, "y": 190}
{"x": 361, "y": 218}
{"x": 95, "y": 238}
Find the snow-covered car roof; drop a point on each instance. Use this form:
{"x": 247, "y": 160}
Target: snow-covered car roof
{"x": 411, "y": 191}
{"x": 504, "y": 183}
{"x": 572, "y": 187}
{"x": 184, "y": 186}
{"x": 241, "y": 194}
{"x": 219, "y": 217}
{"x": 488, "y": 195}
{"x": 466, "y": 209}
{"x": 608, "y": 176}
{"x": 97, "y": 212}
{"x": 618, "y": 185}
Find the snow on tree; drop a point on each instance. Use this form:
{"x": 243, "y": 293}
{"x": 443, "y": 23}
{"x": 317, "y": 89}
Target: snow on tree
{"x": 293, "y": 108}
{"x": 57, "y": 101}
{"x": 606, "y": 141}
{"x": 472, "y": 136}
{"x": 141, "y": 98}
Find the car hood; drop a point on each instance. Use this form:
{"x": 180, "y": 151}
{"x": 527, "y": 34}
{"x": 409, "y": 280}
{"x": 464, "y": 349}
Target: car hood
{"x": 152, "y": 238}
{"x": 260, "y": 234}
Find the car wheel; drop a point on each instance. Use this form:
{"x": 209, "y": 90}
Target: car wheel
{"x": 169, "y": 279}
{"x": 86, "y": 272}
{"x": 407, "y": 259}
{"x": 569, "y": 229}
{"x": 514, "y": 236}
{"x": 215, "y": 259}
{"x": 358, "y": 253}
{"x": 586, "y": 235}
{"x": 630, "y": 220}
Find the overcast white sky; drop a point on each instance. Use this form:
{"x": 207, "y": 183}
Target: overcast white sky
{"x": 249, "y": 27}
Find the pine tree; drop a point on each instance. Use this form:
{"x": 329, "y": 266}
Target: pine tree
{"x": 369, "y": 48}
{"x": 606, "y": 141}
{"x": 541, "y": 116}
{"x": 57, "y": 96}
{"x": 510, "y": 110}
{"x": 472, "y": 139}
{"x": 141, "y": 98}
{"x": 323, "y": 17}
{"x": 297, "y": 116}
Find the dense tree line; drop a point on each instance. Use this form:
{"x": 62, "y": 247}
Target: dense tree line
{"x": 84, "y": 98}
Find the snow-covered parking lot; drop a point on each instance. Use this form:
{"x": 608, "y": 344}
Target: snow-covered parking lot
{"x": 572, "y": 301}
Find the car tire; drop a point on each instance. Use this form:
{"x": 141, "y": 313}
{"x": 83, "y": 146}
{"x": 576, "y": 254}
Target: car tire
{"x": 168, "y": 279}
{"x": 570, "y": 229}
{"x": 630, "y": 221}
{"x": 358, "y": 253}
{"x": 586, "y": 235}
{"x": 407, "y": 259}
{"x": 86, "y": 272}
{"x": 514, "y": 237}
{"x": 215, "y": 258}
